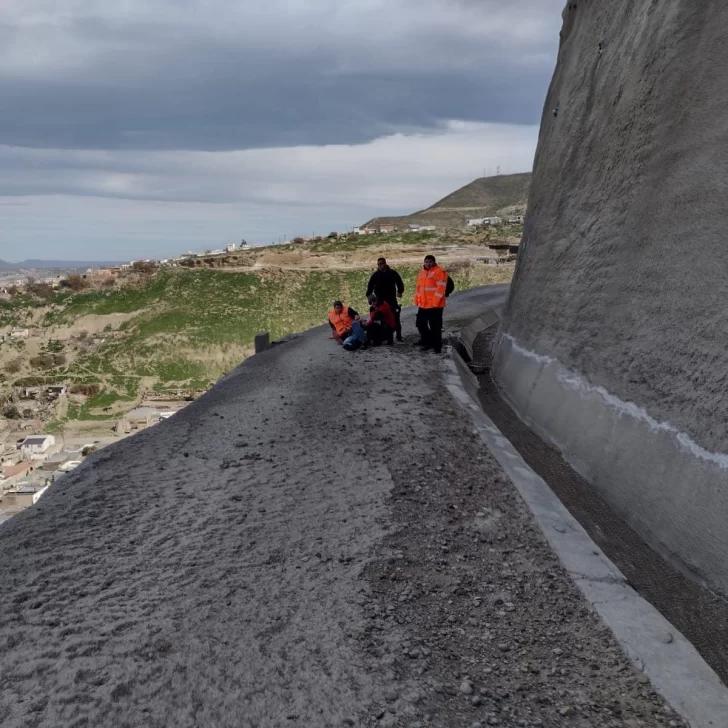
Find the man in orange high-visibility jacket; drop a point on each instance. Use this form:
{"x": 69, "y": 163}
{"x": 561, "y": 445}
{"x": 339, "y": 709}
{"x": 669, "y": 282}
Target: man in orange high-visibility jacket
{"x": 433, "y": 287}
{"x": 341, "y": 319}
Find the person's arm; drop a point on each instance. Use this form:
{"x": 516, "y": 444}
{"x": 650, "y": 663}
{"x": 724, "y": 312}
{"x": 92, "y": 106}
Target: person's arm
{"x": 334, "y": 335}
{"x": 417, "y": 292}
{"x": 353, "y": 314}
{"x": 449, "y": 286}
{"x": 399, "y": 283}
{"x": 370, "y": 285}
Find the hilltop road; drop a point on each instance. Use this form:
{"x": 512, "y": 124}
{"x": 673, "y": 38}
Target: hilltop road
{"x": 319, "y": 541}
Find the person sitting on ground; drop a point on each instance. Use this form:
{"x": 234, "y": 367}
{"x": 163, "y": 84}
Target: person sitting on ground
{"x": 387, "y": 285}
{"x": 341, "y": 320}
{"x": 382, "y": 323}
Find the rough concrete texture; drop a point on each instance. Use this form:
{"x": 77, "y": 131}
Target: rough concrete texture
{"x": 621, "y": 280}
{"x": 319, "y": 541}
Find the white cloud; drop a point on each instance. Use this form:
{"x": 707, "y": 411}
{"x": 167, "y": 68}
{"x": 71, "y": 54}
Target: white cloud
{"x": 137, "y": 127}
{"x": 161, "y": 200}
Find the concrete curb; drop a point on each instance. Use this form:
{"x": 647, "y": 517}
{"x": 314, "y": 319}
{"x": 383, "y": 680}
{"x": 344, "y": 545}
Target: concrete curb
{"x": 471, "y": 331}
{"x": 664, "y": 484}
{"x": 667, "y": 658}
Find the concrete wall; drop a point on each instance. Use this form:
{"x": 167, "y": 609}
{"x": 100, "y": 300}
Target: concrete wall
{"x": 615, "y": 336}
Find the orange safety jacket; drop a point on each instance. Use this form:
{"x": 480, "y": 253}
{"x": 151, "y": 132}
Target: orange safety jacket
{"x": 431, "y": 285}
{"x": 341, "y": 321}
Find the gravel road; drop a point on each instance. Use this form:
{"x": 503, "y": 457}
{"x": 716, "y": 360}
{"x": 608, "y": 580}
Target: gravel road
{"x": 320, "y": 541}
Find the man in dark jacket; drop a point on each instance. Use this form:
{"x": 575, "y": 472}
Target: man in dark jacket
{"x": 387, "y": 285}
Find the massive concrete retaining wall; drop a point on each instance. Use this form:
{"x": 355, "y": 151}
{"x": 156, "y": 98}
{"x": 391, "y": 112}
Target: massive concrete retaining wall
{"x": 615, "y": 336}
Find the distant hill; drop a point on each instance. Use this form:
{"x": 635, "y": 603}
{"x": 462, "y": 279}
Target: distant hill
{"x": 63, "y": 264}
{"x": 483, "y": 197}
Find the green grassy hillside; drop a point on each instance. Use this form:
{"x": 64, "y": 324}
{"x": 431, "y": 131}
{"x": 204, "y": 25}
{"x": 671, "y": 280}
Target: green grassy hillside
{"x": 185, "y": 328}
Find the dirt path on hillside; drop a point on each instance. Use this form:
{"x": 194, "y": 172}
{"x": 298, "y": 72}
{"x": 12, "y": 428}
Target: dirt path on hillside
{"x": 321, "y": 541}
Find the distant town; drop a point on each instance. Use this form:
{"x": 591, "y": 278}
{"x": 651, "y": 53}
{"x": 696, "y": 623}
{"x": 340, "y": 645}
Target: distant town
{"x": 32, "y": 463}
{"x": 17, "y": 279}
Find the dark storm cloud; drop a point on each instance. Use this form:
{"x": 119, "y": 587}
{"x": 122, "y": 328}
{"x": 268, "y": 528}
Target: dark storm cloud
{"x": 272, "y": 80}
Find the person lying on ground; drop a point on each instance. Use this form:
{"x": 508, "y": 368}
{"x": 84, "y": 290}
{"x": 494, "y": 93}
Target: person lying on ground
{"x": 341, "y": 319}
{"x": 382, "y": 323}
{"x": 388, "y": 286}
{"x": 357, "y": 339}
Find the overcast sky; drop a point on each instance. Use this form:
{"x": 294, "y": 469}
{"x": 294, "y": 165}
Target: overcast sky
{"x": 143, "y": 128}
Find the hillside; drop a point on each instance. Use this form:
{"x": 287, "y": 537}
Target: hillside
{"x": 484, "y": 197}
{"x": 180, "y": 329}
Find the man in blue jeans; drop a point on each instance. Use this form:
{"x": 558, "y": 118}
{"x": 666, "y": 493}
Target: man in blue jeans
{"x": 357, "y": 338}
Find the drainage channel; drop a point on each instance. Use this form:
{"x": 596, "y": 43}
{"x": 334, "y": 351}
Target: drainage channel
{"x": 697, "y": 612}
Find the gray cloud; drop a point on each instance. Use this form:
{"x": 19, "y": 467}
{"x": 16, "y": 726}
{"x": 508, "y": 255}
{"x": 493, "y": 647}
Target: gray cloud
{"x": 197, "y": 76}
{"x": 150, "y": 126}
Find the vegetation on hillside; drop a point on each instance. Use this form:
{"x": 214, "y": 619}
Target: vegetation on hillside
{"x": 183, "y": 328}
{"x": 483, "y": 197}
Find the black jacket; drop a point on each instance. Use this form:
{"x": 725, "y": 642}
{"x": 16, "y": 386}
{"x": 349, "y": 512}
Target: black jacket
{"x": 386, "y": 284}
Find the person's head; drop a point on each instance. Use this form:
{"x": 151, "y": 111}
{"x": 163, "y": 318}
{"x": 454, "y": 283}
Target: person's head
{"x": 430, "y": 262}
{"x": 372, "y": 298}
{"x": 338, "y": 306}
{"x": 381, "y": 264}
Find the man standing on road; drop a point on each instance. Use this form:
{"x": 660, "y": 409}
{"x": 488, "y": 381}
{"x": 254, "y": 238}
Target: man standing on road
{"x": 433, "y": 287}
{"x": 341, "y": 320}
{"x": 387, "y": 285}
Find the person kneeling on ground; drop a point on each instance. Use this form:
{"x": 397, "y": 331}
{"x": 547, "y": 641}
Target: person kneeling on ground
{"x": 382, "y": 322}
{"x": 434, "y": 285}
{"x": 387, "y": 285}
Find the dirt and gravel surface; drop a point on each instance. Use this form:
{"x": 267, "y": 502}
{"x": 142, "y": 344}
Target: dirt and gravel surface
{"x": 320, "y": 541}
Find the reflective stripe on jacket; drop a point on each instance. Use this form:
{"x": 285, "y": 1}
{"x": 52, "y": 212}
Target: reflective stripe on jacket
{"x": 341, "y": 321}
{"x": 431, "y": 285}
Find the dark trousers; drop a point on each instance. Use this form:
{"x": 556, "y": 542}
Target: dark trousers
{"x": 378, "y": 332}
{"x": 429, "y": 324}
{"x": 397, "y": 310}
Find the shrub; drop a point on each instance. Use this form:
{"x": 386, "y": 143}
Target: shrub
{"x": 76, "y": 282}
{"x": 89, "y": 390}
{"x": 11, "y": 412}
{"x": 110, "y": 283}
{"x": 44, "y": 361}
{"x": 88, "y": 450}
{"x": 13, "y": 366}
{"x": 297, "y": 240}
{"x": 82, "y": 335}
{"x": 41, "y": 290}
{"x": 141, "y": 266}
{"x": 59, "y": 359}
